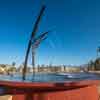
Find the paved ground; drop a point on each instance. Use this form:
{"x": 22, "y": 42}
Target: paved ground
{"x": 8, "y": 97}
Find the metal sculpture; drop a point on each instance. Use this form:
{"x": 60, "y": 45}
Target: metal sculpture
{"x": 30, "y": 41}
{"x": 35, "y": 44}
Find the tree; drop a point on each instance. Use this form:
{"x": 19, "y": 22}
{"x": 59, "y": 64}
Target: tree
{"x": 97, "y": 64}
{"x": 91, "y": 65}
{"x": 13, "y": 64}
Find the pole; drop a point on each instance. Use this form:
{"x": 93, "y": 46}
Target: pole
{"x": 33, "y": 61}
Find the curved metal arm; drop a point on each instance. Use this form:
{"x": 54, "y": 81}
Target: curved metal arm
{"x": 29, "y": 44}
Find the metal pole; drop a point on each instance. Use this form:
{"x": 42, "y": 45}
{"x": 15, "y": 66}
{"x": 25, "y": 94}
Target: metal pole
{"x": 33, "y": 61}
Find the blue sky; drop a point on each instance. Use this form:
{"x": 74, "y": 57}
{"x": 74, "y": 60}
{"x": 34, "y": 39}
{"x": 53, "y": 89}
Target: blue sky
{"x": 75, "y": 36}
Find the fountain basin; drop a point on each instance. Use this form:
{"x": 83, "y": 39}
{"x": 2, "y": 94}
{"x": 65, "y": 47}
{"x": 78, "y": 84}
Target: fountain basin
{"x": 80, "y": 90}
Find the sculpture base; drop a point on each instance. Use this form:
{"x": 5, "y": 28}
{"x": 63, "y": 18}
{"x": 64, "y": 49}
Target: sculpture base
{"x": 83, "y": 90}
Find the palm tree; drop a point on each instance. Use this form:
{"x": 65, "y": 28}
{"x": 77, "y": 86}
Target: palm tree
{"x": 97, "y": 64}
{"x": 91, "y": 65}
{"x": 13, "y": 64}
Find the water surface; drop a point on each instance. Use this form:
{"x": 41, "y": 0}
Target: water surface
{"x": 54, "y": 77}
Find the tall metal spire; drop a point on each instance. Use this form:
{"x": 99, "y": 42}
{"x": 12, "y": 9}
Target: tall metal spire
{"x": 30, "y": 41}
